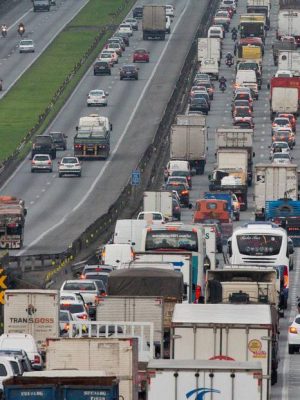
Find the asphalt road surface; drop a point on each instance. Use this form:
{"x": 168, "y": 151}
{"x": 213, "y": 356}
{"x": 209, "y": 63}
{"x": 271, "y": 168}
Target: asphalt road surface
{"x": 59, "y": 209}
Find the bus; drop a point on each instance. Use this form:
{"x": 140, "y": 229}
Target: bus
{"x": 261, "y": 243}
{"x": 178, "y": 237}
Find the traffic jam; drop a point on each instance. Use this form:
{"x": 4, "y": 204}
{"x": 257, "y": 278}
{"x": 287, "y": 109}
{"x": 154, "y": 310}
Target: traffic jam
{"x": 189, "y": 297}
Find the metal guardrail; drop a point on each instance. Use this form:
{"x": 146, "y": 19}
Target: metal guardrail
{"x": 149, "y": 166}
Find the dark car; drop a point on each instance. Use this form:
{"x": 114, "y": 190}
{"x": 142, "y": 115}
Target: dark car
{"x": 199, "y": 104}
{"x": 201, "y": 94}
{"x": 43, "y": 144}
{"x": 176, "y": 210}
{"x": 182, "y": 190}
{"x": 129, "y": 71}
{"x": 102, "y": 68}
{"x": 209, "y": 87}
{"x": 124, "y": 36}
{"x": 137, "y": 12}
{"x": 60, "y": 140}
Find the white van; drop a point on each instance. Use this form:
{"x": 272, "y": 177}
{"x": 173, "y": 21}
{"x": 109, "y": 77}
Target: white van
{"x": 215, "y": 31}
{"x": 117, "y": 254}
{"x": 247, "y": 78}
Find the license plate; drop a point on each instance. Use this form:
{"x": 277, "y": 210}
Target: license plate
{"x": 102, "y": 67}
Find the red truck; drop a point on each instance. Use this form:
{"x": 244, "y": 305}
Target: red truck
{"x": 284, "y": 95}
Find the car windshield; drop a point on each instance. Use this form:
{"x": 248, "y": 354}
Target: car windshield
{"x": 64, "y": 316}
{"x": 245, "y": 66}
{"x": 177, "y": 187}
{"x": 106, "y": 55}
{"x": 41, "y": 158}
{"x": 129, "y": 67}
{"x": 281, "y": 121}
{"x": 280, "y": 145}
{"x": 141, "y": 51}
{"x": 259, "y": 244}
{"x": 80, "y": 286}
{"x": 96, "y": 93}
{"x": 100, "y": 285}
{"x": 69, "y": 160}
{"x": 73, "y": 308}
{"x": 282, "y": 133}
{"x": 242, "y": 96}
{"x": 96, "y": 277}
{"x": 242, "y": 112}
{"x": 26, "y": 42}
{"x": 180, "y": 173}
{"x": 282, "y": 155}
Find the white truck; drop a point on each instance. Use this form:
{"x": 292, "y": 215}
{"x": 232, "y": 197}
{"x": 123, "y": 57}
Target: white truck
{"x": 237, "y": 332}
{"x": 210, "y": 66}
{"x": 231, "y": 159}
{"x": 284, "y": 100}
{"x": 180, "y": 261}
{"x": 192, "y": 379}
{"x": 192, "y": 119}
{"x": 211, "y": 244}
{"x": 289, "y": 23}
{"x": 117, "y": 254}
{"x": 289, "y": 60}
{"x": 154, "y": 22}
{"x": 32, "y": 311}
{"x": 247, "y": 78}
{"x": 114, "y": 356}
{"x": 129, "y": 231}
{"x": 161, "y": 201}
{"x": 209, "y": 48}
{"x": 189, "y": 142}
{"x": 273, "y": 182}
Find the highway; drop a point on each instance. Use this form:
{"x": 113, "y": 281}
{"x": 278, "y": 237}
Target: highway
{"x": 42, "y": 27}
{"x": 60, "y": 209}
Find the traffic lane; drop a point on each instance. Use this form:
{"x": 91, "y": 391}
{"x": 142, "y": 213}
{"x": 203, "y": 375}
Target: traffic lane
{"x": 42, "y": 27}
{"x": 123, "y": 96}
{"x": 11, "y": 11}
{"x": 118, "y": 168}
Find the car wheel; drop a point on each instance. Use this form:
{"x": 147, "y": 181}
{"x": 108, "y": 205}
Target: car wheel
{"x": 179, "y": 218}
{"x": 136, "y": 78}
{"x": 50, "y": 170}
{"x": 88, "y": 104}
{"x": 291, "y": 349}
{"x": 79, "y": 175}
{"x": 219, "y": 248}
{"x": 121, "y": 79}
{"x": 32, "y": 170}
{"x": 60, "y": 175}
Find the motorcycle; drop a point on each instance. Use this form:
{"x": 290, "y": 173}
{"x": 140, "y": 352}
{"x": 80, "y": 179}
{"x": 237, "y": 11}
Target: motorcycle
{"x": 21, "y": 30}
{"x": 4, "y": 32}
{"x": 234, "y": 36}
{"x": 229, "y": 62}
{"x": 222, "y": 86}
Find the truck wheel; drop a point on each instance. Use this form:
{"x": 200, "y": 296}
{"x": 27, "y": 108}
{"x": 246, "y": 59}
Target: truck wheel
{"x": 274, "y": 377}
{"x": 291, "y": 349}
{"x": 60, "y": 175}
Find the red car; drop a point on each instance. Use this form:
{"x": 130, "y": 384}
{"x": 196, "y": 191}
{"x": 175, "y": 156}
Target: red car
{"x": 141, "y": 55}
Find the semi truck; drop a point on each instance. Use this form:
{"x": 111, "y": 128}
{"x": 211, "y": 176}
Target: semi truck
{"x": 260, "y": 7}
{"x": 239, "y": 139}
{"x": 181, "y": 379}
{"x": 92, "y": 139}
{"x": 154, "y": 22}
{"x": 273, "y": 182}
{"x": 237, "y": 332}
{"x": 32, "y": 311}
{"x": 12, "y": 222}
{"x": 289, "y": 20}
{"x": 159, "y": 201}
{"x": 209, "y": 48}
{"x": 114, "y": 356}
{"x": 62, "y": 385}
{"x": 189, "y": 143}
{"x": 41, "y": 5}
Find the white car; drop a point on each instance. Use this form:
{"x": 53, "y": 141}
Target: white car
{"x": 97, "y": 97}
{"x": 215, "y": 31}
{"x": 294, "y": 335}
{"x": 113, "y": 54}
{"x": 170, "y": 10}
{"x": 282, "y": 73}
{"x": 115, "y": 46}
{"x": 26, "y": 46}
{"x": 168, "y": 24}
{"x": 69, "y": 166}
{"x": 107, "y": 57}
{"x": 127, "y": 28}
{"x": 66, "y": 296}
{"x": 65, "y": 317}
{"x": 281, "y": 158}
{"x": 77, "y": 309}
{"x": 41, "y": 162}
{"x": 133, "y": 22}
{"x": 279, "y": 147}
{"x": 87, "y": 288}
{"x": 25, "y": 342}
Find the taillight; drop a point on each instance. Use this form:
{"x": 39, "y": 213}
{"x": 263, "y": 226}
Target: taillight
{"x": 37, "y": 359}
{"x": 77, "y": 165}
{"x": 49, "y": 162}
{"x": 184, "y": 192}
{"x": 197, "y": 293}
{"x": 292, "y": 329}
{"x": 285, "y": 277}
{"x": 103, "y": 97}
{"x": 66, "y": 327}
{"x": 82, "y": 276}
{"x": 32, "y": 162}
{"x": 83, "y": 316}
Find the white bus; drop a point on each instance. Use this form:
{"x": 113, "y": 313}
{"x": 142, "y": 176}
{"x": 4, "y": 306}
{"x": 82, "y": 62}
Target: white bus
{"x": 178, "y": 237}
{"x": 260, "y": 243}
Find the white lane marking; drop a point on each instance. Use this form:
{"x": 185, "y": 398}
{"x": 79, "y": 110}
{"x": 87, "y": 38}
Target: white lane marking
{"x": 106, "y": 164}
{"x": 41, "y": 50}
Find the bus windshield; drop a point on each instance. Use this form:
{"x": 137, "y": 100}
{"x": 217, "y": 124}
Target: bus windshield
{"x": 259, "y": 244}
{"x": 170, "y": 240}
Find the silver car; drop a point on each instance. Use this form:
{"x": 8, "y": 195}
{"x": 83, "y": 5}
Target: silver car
{"x": 41, "y": 162}
{"x": 133, "y": 22}
{"x": 69, "y": 166}
{"x": 26, "y": 46}
{"x": 97, "y": 97}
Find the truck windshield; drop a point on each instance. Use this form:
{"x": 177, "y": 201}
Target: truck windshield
{"x": 259, "y": 245}
{"x": 183, "y": 240}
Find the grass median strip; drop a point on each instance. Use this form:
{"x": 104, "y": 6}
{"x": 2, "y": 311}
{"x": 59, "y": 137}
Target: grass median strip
{"x": 22, "y": 105}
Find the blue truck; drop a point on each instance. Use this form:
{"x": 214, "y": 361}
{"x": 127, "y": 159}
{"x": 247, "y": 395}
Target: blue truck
{"x": 61, "y": 385}
{"x": 286, "y": 213}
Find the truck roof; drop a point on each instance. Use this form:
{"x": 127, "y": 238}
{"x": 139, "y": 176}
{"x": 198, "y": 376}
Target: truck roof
{"x": 64, "y": 373}
{"x": 32, "y": 291}
{"x": 199, "y": 364}
{"x": 228, "y": 314}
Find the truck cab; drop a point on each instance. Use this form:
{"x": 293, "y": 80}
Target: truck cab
{"x": 211, "y": 209}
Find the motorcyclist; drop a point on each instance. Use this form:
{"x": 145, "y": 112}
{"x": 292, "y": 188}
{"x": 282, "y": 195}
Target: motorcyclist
{"x": 229, "y": 56}
{"x": 4, "y": 30}
{"x": 234, "y": 33}
{"x": 21, "y": 28}
{"x": 222, "y": 82}
{"x": 1, "y": 84}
